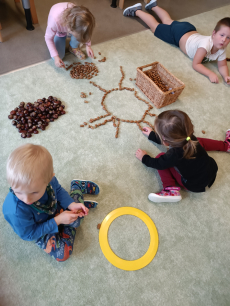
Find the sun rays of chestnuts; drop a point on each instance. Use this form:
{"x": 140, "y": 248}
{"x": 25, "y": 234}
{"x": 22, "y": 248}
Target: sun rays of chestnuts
{"x": 114, "y": 119}
{"x": 29, "y": 117}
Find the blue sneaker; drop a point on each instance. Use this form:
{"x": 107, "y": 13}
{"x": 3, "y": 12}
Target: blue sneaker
{"x": 86, "y": 187}
{"x": 151, "y": 4}
{"x": 131, "y": 10}
{"x": 90, "y": 204}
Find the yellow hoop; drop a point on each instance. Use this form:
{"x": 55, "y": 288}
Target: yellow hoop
{"x": 128, "y": 265}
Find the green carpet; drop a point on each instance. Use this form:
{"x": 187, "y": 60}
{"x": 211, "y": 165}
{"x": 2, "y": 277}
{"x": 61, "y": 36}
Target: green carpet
{"x": 192, "y": 264}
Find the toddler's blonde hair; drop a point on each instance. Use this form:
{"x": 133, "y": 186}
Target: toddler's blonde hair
{"x": 27, "y": 163}
{"x": 80, "y": 20}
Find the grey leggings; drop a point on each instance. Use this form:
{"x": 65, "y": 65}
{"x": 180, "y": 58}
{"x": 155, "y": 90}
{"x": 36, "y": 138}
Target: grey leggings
{"x": 60, "y": 44}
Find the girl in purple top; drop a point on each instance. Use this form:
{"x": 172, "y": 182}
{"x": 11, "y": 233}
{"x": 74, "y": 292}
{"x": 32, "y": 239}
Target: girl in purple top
{"x": 67, "y": 19}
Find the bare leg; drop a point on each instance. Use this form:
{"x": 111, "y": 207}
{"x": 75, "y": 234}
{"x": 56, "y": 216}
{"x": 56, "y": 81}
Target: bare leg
{"x": 148, "y": 19}
{"x": 162, "y": 14}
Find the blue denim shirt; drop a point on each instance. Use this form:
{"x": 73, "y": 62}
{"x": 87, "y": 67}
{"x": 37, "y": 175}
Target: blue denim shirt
{"x": 28, "y": 223}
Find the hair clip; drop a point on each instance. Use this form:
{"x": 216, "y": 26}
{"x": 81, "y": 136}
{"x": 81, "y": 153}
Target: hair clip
{"x": 188, "y": 138}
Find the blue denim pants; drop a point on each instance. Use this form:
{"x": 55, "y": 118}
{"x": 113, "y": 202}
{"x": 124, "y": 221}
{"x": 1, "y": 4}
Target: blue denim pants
{"x": 60, "y": 44}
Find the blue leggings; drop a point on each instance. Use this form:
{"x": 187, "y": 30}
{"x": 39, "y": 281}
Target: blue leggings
{"x": 60, "y": 245}
{"x": 60, "y": 44}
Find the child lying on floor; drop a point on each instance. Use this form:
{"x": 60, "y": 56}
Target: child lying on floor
{"x": 38, "y": 208}
{"x": 198, "y": 47}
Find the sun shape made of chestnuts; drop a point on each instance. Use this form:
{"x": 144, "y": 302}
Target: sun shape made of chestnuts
{"x": 115, "y": 119}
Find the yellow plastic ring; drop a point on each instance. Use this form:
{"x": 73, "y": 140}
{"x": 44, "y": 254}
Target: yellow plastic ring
{"x": 128, "y": 265}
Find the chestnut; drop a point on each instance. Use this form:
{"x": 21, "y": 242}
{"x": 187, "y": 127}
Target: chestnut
{"x": 36, "y": 132}
{"x": 14, "y": 122}
{"x": 23, "y": 135}
{"x": 10, "y": 116}
{"x": 28, "y": 135}
{"x": 13, "y": 112}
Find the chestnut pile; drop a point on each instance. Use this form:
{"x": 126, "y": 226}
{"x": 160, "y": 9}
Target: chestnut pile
{"x": 29, "y": 117}
{"x": 155, "y": 77}
{"x": 81, "y": 71}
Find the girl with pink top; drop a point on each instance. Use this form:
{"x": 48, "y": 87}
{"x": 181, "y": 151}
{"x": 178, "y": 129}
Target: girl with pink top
{"x": 67, "y": 19}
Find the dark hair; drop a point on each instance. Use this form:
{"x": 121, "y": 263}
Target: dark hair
{"x": 173, "y": 127}
{"x": 223, "y": 22}
{"x": 79, "y": 20}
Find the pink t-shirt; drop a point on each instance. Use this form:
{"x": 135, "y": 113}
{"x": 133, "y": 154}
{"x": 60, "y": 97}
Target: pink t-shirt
{"x": 54, "y": 27}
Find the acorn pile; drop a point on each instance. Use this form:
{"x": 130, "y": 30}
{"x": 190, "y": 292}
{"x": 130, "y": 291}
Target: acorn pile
{"x": 29, "y": 117}
{"x": 84, "y": 71}
{"x": 155, "y": 77}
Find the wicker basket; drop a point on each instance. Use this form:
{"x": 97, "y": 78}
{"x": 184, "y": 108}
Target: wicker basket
{"x": 152, "y": 91}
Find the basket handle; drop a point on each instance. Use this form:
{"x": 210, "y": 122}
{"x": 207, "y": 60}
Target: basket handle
{"x": 145, "y": 66}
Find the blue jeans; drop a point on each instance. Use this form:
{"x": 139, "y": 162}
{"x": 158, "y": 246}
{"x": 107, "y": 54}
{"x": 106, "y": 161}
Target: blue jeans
{"x": 60, "y": 44}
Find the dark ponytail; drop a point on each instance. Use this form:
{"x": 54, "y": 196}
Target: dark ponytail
{"x": 175, "y": 128}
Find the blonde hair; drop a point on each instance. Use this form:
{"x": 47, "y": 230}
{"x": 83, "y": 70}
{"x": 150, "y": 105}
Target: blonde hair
{"x": 27, "y": 163}
{"x": 173, "y": 127}
{"x": 80, "y": 20}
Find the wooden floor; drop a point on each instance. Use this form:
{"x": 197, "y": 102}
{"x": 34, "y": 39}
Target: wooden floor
{"x": 21, "y": 48}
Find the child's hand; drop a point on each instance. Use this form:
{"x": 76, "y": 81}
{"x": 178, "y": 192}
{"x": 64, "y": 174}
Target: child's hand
{"x": 227, "y": 80}
{"x": 58, "y": 62}
{"x": 140, "y": 153}
{"x": 146, "y": 130}
{"x": 66, "y": 217}
{"x": 77, "y": 207}
{"x": 213, "y": 77}
{"x": 89, "y": 51}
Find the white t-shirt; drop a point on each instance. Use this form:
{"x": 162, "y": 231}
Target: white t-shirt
{"x": 196, "y": 41}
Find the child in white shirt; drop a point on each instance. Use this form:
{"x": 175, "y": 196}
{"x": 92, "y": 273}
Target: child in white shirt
{"x": 184, "y": 35}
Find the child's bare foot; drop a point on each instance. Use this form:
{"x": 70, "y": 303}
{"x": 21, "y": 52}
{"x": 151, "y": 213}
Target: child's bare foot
{"x": 77, "y": 52}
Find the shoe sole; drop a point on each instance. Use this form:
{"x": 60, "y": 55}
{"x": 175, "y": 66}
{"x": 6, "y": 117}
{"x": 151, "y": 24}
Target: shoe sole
{"x": 161, "y": 199}
{"x": 87, "y": 181}
{"x": 135, "y": 5}
{"x": 150, "y": 4}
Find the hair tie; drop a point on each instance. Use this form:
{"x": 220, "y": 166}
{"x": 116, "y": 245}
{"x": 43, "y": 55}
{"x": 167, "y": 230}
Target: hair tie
{"x": 188, "y": 138}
